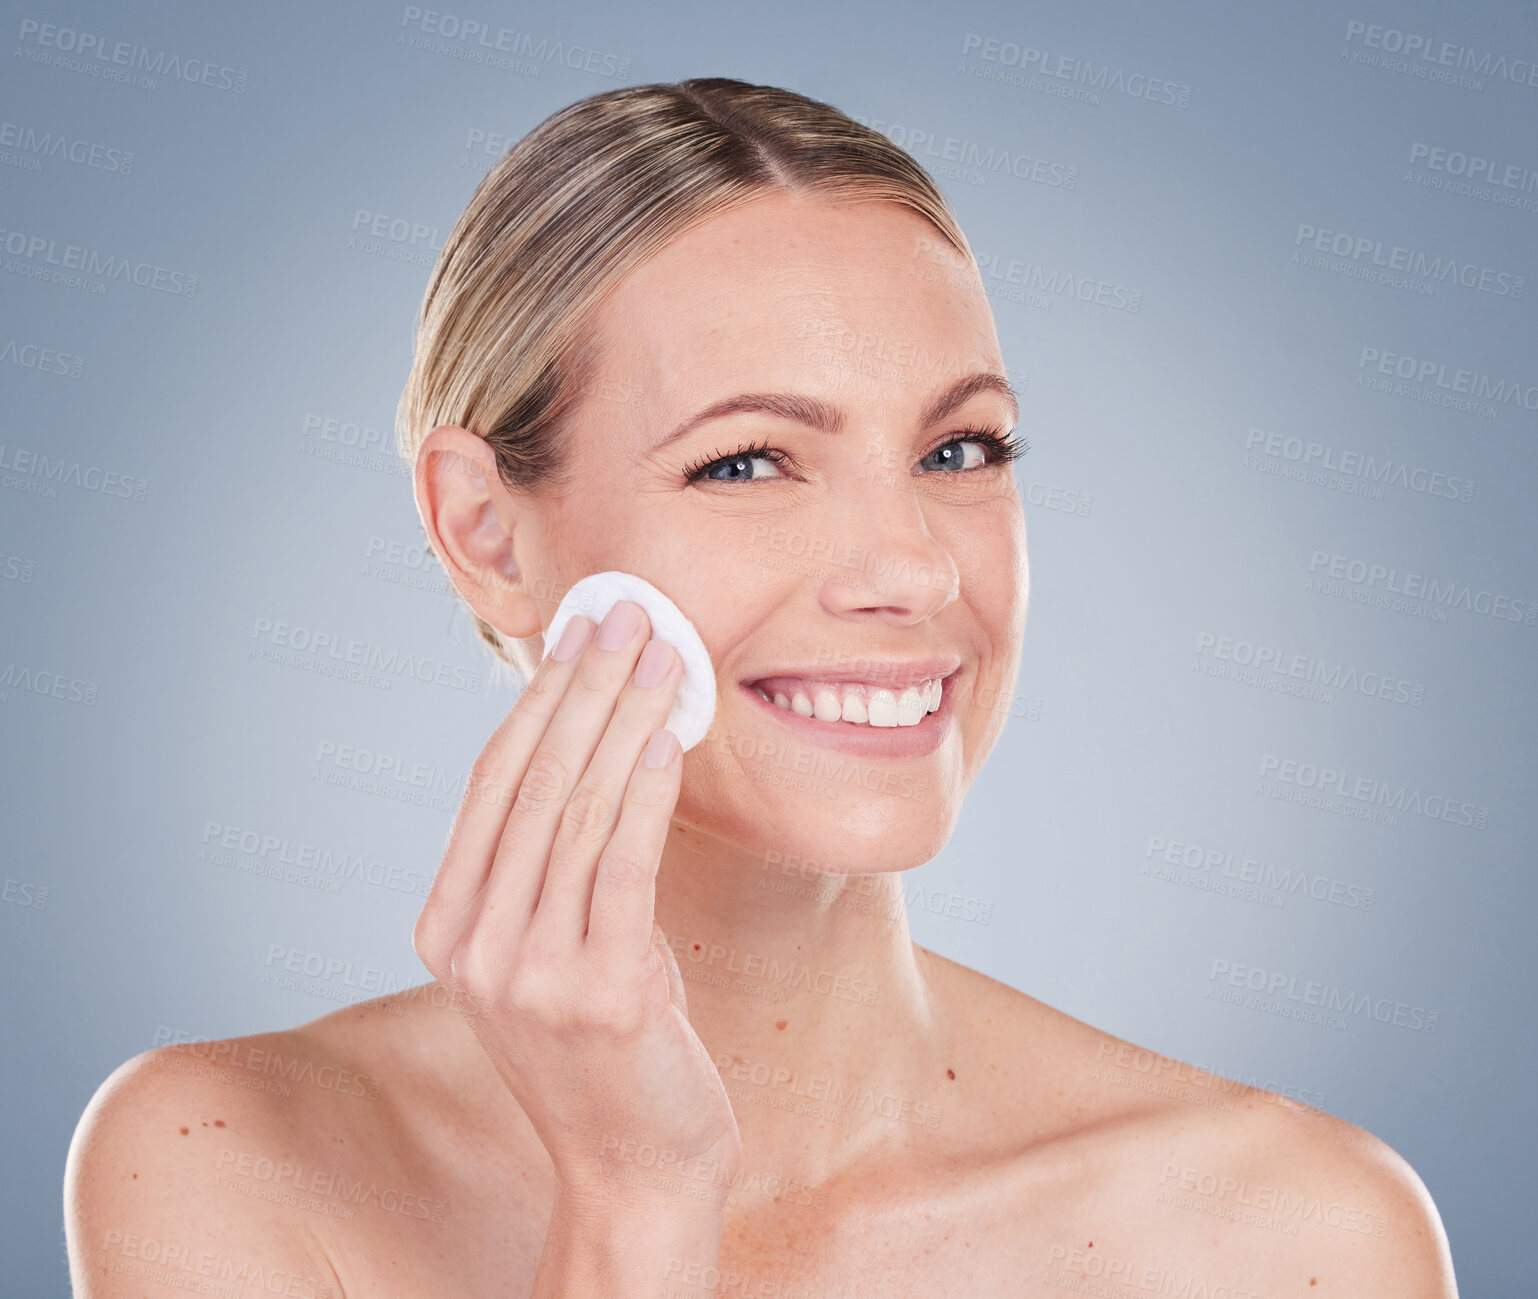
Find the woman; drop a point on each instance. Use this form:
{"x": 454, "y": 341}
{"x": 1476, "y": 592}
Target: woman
{"x": 723, "y": 337}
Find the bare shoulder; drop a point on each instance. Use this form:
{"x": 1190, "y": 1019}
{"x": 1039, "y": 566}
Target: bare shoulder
{"x": 1365, "y": 1222}
{"x": 147, "y": 1180}
{"x": 1307, "y": 1203}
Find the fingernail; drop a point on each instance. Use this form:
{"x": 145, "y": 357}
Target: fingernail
{"x": 573, "y": 637}
{"x": 659, "y": 749}
{"x": 619, "y": 625}
{"x": 654, "y": 663}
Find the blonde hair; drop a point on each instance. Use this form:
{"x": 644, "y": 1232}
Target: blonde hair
{"x": 502, "y": 348}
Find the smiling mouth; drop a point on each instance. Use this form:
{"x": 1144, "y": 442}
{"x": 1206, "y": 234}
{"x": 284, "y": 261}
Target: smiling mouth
{"x": 853, "y": 703}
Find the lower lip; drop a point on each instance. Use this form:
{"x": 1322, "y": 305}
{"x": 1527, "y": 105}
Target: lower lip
{"x": 867, "y": 741}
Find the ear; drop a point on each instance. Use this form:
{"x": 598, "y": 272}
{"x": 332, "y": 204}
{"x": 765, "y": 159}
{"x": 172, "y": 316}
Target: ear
{"x": 471, "y": 520}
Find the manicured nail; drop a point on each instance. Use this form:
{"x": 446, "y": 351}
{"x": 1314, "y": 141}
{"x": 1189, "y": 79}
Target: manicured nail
{"x": 573, "y": 638}
{"x": 619, "y": 625}
{"x": 656, "y": 659}
{"x": 660, "y": 748}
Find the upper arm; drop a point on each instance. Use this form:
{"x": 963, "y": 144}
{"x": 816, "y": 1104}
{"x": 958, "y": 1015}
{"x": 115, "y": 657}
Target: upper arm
{"x": 145, "y": 1198}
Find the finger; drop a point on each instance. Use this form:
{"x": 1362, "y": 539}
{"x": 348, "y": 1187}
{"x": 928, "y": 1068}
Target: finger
{"x": 490, "y": 789}
{"x": 593, "y": 811}
{"x": 621, "y": 917}
{"x": 517, "y": 874}
{"x": 675, "y": 976}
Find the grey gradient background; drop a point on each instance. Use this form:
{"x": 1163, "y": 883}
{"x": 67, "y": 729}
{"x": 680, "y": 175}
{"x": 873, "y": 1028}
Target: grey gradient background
{"x": 255, "y": 414}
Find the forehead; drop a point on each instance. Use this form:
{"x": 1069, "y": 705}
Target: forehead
{"x": 856, "y": 302}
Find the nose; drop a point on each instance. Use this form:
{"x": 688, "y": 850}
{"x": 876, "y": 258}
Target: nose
{"x": 889, "y": 564}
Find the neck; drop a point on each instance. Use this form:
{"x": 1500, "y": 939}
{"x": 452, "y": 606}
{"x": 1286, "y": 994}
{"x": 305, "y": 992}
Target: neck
{"x": 814, "y": 1004}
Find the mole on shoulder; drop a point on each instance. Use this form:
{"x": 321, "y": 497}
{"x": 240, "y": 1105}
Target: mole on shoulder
{"x": 780, "y": 1024}
{"x": 951, "y": 1074}
{"x": 184, "y": 1132}
{"x": 218, "y": 1123}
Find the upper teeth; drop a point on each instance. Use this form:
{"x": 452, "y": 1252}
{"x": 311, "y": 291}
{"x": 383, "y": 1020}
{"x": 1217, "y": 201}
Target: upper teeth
{"x": 853, "y": 701}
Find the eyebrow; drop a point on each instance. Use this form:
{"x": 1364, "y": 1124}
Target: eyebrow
{"x": 827, "y": 418}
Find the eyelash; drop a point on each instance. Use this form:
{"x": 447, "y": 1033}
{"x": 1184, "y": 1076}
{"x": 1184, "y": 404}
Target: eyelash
{"x": 1005, "y": 448}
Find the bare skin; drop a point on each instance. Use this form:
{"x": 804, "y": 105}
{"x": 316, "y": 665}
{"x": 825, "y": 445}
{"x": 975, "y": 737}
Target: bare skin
{"x": 898, "y": 1124}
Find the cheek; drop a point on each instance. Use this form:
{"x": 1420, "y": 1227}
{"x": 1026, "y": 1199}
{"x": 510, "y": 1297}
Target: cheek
{"x": 988, "y": 547}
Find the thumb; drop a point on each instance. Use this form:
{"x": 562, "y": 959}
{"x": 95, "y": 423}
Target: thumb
{"x": 670, "y": 967}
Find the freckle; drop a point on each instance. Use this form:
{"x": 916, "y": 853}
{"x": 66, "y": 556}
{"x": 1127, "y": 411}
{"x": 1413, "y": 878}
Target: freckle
{"x": 1313, "y": 1280}
{"x": 136, "y": 1177}
{"x": 951, "y": 1074}
{"x": 184, "y": 1132}
{"x": 218, "y": 1123}
{"x": 780, "y": 1024}
{"x": 205, "y": 1123}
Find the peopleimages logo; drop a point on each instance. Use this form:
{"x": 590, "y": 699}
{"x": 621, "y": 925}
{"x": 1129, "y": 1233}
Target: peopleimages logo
{"x": 40, "y": 257}
{"x": 112, "y": 60}
{"x": 1366, "y": 252}
{"x": 477, "y": 41}
{"x": 1331, "y": 673}
{"x": 35, "y": 146}
{"x": 1445, "y": 54}
{"x": 1423, "y": 371}
{"x": 1328, "y": 782}
{"x": 1214, "y": 862}
{"x": 1310, "y": 454}
{"x": 306, "y": 648}
{"x": 1418, "y": 586}
{"x": 1326, "y": 996}
{"x": 1473, "y": 167}
{"x": 1078, "y": 72}
{"x": 37, "y": 471}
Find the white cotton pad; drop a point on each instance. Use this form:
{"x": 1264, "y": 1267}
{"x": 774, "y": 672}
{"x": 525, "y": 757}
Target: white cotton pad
{"x": 695, "y": 705}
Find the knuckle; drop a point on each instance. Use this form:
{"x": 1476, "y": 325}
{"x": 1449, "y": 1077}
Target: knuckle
{"x": 539, "y": 688}
{"x": 427, "y": 938}
{"x": 487, "y": 782}
{"x": 648, "y": 795}
{"x": 595, "y": 676}
{"x": 589, "y": 815}
{"x": 544, "y": 784}
{"x": 472, "y": 967}
{"x": 620, "y": 867}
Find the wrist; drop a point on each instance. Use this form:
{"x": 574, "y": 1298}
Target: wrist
{"x": 697, "y": 1190}
{"x": 638, "y": 1177}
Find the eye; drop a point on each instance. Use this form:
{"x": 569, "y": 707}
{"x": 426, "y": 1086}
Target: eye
{"x": 997, "y": 449}
{"x": 738, "y": 465}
